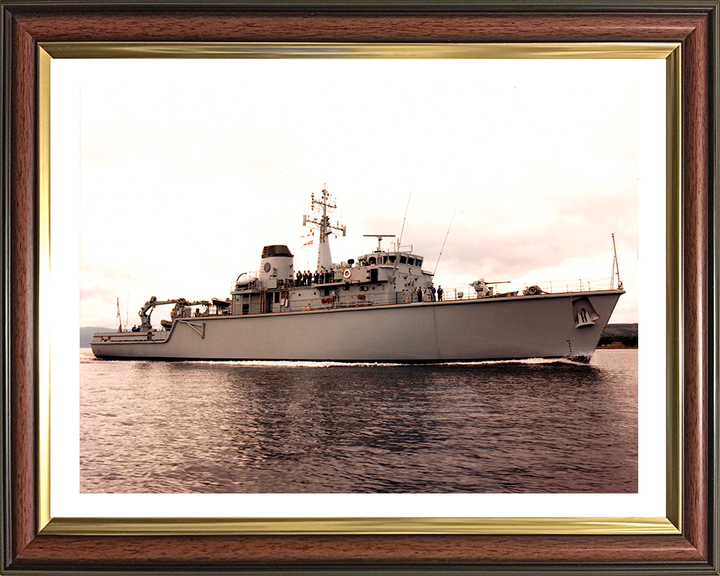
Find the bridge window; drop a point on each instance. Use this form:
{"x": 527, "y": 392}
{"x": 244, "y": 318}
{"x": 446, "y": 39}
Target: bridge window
{"x": 411, "y": 261}
{"x": 391, "y": 259}
{"x": 403, "y": 260}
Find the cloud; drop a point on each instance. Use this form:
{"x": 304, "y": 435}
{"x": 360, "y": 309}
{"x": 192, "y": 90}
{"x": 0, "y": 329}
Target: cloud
{"x": 187, "y": 169}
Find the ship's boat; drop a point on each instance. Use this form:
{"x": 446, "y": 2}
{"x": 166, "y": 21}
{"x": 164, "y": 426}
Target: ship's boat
{"x": 380, "y": 307}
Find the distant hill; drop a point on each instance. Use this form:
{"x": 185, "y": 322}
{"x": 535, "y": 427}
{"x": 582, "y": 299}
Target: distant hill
{"x": 625, "y": 333}
{"x": 86, "y": 334}
{"x": 621, "y": 330}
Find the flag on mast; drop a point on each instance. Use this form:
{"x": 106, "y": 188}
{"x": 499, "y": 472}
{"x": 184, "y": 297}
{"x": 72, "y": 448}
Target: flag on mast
{"x": 309, "y": 242}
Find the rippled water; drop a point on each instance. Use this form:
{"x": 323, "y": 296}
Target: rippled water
{"x": 533, "y": 426}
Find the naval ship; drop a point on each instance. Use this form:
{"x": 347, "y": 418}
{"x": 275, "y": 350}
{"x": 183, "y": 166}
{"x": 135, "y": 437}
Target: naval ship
{"x": 380, "y": 307}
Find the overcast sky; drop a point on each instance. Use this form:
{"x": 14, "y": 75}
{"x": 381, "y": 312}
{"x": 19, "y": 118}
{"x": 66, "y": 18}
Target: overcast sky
{"x": 188, "y": 167}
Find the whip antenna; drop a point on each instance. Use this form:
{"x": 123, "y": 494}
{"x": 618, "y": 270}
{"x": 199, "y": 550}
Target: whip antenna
{"x": 127, "y": 306}
{"x": 443, "y": 245}
{"x": 403, "y": 224}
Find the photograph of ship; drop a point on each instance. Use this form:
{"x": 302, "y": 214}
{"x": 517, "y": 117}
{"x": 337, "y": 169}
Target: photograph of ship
{"x": 362, "y": 276}
{"x": 384, "y": 308}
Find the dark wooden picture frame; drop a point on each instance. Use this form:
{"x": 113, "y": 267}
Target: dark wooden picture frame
{"x": 25, "y": 24}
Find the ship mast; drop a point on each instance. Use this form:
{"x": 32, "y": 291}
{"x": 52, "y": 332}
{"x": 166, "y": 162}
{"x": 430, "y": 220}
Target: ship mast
{"x": 325, "y": 205}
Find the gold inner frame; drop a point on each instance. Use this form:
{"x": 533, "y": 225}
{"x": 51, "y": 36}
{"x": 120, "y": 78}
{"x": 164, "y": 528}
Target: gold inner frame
{"x": 671, "y": 524}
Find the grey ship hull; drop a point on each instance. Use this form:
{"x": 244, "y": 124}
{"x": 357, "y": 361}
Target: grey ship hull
{"x": 542, "y": 326}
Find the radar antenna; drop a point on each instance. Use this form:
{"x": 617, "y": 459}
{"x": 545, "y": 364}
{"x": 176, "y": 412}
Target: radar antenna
{"x": 379, "y": 237}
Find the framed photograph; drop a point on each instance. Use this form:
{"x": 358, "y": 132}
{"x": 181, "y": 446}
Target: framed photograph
{"x": 359, "y": 421}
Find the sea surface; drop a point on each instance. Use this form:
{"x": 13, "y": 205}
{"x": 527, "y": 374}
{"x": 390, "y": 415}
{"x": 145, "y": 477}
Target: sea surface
{"x": 281, "y": 427}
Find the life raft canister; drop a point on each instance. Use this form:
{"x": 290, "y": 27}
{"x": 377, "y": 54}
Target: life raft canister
{"x": 347, "y": 273}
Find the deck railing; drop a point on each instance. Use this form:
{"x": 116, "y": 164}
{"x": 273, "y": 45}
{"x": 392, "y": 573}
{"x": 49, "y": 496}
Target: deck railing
{"x": 370, "y": 298}
{"x": 518, "y": 288}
